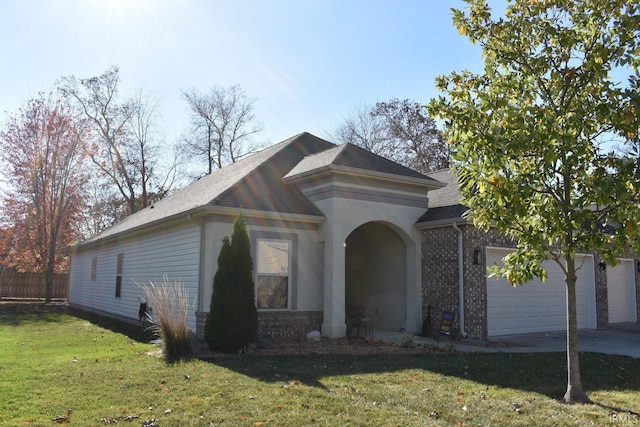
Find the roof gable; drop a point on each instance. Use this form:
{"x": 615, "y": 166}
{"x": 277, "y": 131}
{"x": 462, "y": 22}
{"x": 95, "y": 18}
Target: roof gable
{"x": 264, "y": 189}
{"x": 357, "y": 157}
{"x": 254, "y": 182}
{"x": 354, "y": 157}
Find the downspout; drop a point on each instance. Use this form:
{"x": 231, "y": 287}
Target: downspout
{"x": 463, "y": 333}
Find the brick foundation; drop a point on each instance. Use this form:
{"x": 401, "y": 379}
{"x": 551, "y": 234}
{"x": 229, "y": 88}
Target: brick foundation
{"x": 281, "y": 325}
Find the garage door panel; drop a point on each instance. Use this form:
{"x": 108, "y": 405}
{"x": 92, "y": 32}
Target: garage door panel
{"x": 621, "y": 298}
{"x": 536, "y": 306}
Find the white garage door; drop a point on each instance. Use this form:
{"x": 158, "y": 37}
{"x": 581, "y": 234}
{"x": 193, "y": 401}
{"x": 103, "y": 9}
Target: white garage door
{"x": 538, "y": 306}
{"x": 621, "y": 293}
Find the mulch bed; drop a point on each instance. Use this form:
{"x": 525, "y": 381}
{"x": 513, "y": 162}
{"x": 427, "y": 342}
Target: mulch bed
{"x": 341, "y": 346}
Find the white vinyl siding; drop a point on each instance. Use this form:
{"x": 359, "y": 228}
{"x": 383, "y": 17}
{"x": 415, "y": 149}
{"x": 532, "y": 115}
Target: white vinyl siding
{"x": 538, "y": 306}
{"x": 94, "y": 268}
{"x": 173, "y": 252}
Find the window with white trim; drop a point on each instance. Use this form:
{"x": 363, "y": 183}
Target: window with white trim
{"x": 119, "y": 275}
{"x": 273, "y": 270}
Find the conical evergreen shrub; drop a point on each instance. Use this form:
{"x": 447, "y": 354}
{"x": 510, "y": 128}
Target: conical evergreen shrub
{"x": 232, "y": 322}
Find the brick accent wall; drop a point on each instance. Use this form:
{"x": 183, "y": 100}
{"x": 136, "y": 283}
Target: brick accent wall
{"x": 279, "y": 325}
{"x": 440, "y": 274}
{"x": 440, "y": 286}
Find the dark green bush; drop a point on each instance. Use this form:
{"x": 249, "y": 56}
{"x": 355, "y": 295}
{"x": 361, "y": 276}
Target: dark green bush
{"x": 232, "y": 322}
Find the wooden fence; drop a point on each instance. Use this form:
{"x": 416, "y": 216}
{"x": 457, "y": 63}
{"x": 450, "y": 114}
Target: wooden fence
{"x": 17, "y": 285}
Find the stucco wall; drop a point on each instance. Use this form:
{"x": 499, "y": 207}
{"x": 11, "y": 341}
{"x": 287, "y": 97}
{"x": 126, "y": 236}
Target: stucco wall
{"x": 306, "y": 283}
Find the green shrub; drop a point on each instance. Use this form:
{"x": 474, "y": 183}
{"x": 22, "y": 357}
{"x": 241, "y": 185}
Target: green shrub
{"x": 168, "y": 316}
{"x": 406, "y": 341}
{"x": 232, "y": 322}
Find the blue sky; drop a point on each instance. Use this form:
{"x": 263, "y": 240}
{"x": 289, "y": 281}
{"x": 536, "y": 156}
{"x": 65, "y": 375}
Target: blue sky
{"x": 309, "y": 63}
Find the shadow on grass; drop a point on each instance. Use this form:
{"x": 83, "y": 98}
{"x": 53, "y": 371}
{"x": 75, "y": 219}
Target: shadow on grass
{"x": 543, "y": 373}
{"x": 133, "y": 330}
{"x": 19, "y": 313}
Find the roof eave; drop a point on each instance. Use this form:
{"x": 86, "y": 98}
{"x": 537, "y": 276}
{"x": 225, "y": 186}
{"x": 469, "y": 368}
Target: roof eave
{"x": 429, "y": 183}
{"x": 195, "y": 215}
{"x": 442, "y": 222}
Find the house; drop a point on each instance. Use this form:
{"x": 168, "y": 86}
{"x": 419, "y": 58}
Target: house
{"x": 330, "y": 227}
{"x": 334, "y": 227}
{"x": 455, "y": 260}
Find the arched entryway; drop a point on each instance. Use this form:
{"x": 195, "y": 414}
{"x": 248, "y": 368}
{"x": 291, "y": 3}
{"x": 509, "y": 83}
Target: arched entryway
{"x": 376, "y": 275}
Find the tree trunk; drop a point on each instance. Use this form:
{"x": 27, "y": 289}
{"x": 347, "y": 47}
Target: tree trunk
{"x": 574, "y": 393}
{"x": 48, "y": 287}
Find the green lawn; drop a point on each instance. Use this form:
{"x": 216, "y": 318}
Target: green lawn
{"x": 51, "y": 361}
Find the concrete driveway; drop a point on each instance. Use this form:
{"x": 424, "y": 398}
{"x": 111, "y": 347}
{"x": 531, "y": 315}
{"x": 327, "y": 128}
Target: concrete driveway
{"x": 622, "y": 339}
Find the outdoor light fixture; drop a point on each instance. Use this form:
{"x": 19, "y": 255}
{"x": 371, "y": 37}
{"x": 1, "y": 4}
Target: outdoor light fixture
{"x": 602, "y": 265}
{"x": 638, "y": 266}
{"x": 477, "y": 256}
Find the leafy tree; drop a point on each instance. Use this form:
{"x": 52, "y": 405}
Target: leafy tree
{"x": 527, "y": 136}
{"x": 232, "y": 322}
{"x": 399, "y": 130}
{"x": 43, "y": 154}
{"x": 222, "y": 125}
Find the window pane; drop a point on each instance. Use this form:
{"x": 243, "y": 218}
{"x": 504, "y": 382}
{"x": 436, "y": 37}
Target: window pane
{"x": 94, "y": 267}
{"x": 273, "y": 257}
{"x": 273, "y": 291}
{"x": 120, "y": 262}
{"x": 118, "y": 286}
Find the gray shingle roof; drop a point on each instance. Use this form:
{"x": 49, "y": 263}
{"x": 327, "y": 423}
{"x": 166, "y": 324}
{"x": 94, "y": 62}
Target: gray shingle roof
{"x": 449, "y": 194}
{"x": 444, "y": 203}
{"x": 254, "y": 182}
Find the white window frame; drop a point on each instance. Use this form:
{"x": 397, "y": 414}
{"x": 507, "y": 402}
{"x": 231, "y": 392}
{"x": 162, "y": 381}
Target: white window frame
{"x": 119, "y": 268}
{"x": 258, "y": 273}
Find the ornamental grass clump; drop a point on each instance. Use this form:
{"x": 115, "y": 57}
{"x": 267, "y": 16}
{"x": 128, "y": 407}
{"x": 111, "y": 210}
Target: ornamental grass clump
{"x": 169, "y": 302}
{"x": 406, "y": 341}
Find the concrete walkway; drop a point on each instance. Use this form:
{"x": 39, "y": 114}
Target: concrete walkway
{"x": 622, "y": 339}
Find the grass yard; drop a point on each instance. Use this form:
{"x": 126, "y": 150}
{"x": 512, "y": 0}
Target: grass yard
{"x": 51, "y": 361}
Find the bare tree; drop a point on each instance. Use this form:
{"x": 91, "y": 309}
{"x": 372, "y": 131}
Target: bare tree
{"x": 154, "y": 179}
{"x": 125, "y": 145}
{"x": 418, "y": 140}
{"x": 222, "y": 125}
{"x": 368, "y": 131}
{"x": 399, "y": 130}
